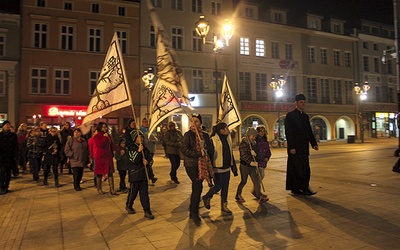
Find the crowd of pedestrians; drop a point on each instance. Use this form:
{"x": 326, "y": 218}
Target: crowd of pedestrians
{"x": 205, "y": 156}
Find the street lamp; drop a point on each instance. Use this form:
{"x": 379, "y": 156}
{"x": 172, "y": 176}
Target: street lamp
{"x": 147, "y": 78}
{"x": 362, "y": 92}
{"x": 277, "y": 87}
{"x": 202, "y": 29}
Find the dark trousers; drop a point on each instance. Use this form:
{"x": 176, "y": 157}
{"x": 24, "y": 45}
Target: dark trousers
{"x": 122, "y": 183}
{"x": 6, "y": 166}
{"x": 221, "y": 182}
{"x": 23, "y": 158}
{"x": 245, "y": 171}
{"x": 175, "y": 163}
{"x": 77, "y": 174}
{"x": 47, "y": 171}
{"x": 197, "y": 188}
{"x": 34, "y": 165}
{"x": 141, "y": 187}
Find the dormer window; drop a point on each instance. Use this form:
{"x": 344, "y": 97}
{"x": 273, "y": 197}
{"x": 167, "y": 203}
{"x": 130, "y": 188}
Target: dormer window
{"x": 336, "y": 28}
{"x": 313, "y": 24}
{"x": 249, "y": 13}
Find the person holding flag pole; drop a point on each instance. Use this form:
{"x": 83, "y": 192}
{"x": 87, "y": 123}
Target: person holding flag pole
{"x": 247, "y": 157}
{"x": 197, "y": 149}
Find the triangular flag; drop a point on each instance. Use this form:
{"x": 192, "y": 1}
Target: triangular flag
{"x": 228, "y": 110}
{"x": 112, "y": 89}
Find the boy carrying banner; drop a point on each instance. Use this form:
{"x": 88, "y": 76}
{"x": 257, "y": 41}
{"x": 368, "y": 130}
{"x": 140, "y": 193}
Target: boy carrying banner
{"x": 140, "y": 161}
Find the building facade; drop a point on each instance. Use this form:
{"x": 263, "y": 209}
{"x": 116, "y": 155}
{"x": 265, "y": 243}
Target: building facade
{"x": 9, "y": 63}
{"x": 64, "y": 44}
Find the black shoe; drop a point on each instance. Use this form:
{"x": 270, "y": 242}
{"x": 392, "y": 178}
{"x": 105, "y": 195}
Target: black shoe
{"x": 78, "y": 189}
{"x": 296, "y": 191}
{"x": 154, "y": 180}
{"x": 309, "y": 192}
{"x": 3, "y": 191}
{"x": 130, "y": 210}
{"x": 206, "y": 202}
{"x": 57, "y": 184}
{"x": 196, "y": 220}
{"x": 149, "y": 215}
{"x": 175, "y": 181}
{"x": 45, "y": 183}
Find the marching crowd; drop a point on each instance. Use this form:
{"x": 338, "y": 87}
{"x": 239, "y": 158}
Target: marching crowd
{"x": 206, "y": 157}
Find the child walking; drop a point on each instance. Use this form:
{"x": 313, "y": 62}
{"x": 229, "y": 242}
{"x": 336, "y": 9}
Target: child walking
{"x": 248, "y": 166}
{"x": 121, "y": 156}
{"x": 140, "y": 161}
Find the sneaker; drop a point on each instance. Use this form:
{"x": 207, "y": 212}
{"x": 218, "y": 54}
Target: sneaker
{"x": 149, "y": 215}
{"x": 206, "y": 202}
{"x": 130, "y": 210}
{"x": 239, "y": 198}
{"x": 263, "y": 199}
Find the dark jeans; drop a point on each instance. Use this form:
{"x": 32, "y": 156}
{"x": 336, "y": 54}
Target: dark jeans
{"x": 23, "y": 158}
{"x": 197, "y": 188}
{"x": 175, "y": 163}
{"x": 221, "y": 182}
{"x": 141, "y": 187}
{"x": 47, "y": 171}
{"x": 34, "y": 165}
{"x": 245, "y": 171}
{"x": 122, "y": 175}
{"x": 77, "y": 174}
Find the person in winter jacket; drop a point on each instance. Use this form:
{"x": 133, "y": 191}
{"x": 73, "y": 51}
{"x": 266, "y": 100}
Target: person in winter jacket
{"x": 172, "y": 139}
{"x": 223, "y": 163}
{"x": 139, "y": 161}
{"x": 121, "y": 156}
{"x": 35, "y": 152}
{"x": 196, "y": 144}
{"x": 77, "y": 152}
{"x": 51, "y": 150}
{"x": 102, "y": 153}
{"x": 248, "y": 166}
{"x": 8, "y": 156}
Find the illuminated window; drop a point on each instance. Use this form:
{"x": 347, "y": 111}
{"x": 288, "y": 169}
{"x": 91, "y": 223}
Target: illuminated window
{"x": 260, "y": 48}
{"x": 244, "y": 46}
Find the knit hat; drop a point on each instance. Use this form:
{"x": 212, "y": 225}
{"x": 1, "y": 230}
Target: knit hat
{"x": 135, "y": 133}
{"x": 130, "y": 121}
{"x": 300, "y": 97}
{"x": 198, "y": 116}
{"x": 251, "y": 131}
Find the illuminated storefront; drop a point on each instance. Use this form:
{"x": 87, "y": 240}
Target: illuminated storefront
{"x": 383, "y": 125}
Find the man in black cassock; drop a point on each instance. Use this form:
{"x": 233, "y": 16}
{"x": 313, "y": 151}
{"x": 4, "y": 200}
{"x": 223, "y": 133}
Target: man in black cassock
{"x": 298, "y": 135}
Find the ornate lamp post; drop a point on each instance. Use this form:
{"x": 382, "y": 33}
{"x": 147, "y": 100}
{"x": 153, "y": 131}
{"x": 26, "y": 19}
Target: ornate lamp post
{"x": 147, "y": 78}
{"x": 277, "y": 87}
{"x": 363, "y": 93}
{"x": 202, "y": 29}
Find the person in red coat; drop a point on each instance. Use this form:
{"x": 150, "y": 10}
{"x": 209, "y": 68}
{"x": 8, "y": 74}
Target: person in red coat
{"x": 103, "y": 157}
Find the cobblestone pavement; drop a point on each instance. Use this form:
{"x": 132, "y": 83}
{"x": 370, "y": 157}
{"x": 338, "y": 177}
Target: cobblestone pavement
{"x": 356, "y": 208}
